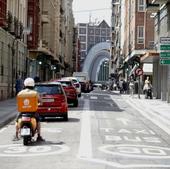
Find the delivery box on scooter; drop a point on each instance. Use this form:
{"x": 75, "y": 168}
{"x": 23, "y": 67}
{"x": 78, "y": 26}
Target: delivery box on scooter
{"x": 27, "y": 101}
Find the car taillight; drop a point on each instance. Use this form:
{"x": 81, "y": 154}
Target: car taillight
{"x": 63, "y": 99}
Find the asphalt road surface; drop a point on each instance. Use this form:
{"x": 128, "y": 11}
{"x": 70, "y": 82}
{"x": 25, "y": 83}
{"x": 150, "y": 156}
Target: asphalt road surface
{"x": 104, "y": 132}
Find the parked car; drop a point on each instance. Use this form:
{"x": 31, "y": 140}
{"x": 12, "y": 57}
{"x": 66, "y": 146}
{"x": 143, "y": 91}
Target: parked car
{"x": 97, "y": 86}
{"x": 53, "y": 100}
{"x": 77, "y": 85}
{"x": 70, "y": 91}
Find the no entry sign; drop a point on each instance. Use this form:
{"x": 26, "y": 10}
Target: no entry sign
{"x": 139, "y": 72}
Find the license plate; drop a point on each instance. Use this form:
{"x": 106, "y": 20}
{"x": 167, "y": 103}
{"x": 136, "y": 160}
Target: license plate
{"x": 25, "y": 131}
{"x": 47, "y": 100}
{"x": 26, "y": 119}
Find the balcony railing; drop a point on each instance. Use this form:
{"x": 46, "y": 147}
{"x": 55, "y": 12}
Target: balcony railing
{"x": 45, "y": 17}
{"x": 14, "y": 26}
{"x": 160, "y": 1}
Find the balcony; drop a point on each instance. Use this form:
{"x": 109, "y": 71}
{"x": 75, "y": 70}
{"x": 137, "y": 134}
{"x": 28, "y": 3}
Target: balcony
{"x": 160, "y": 2}
{"x": 45, "y": 17}
{"x": 152, "y": 7}
{"x": 115, "y": 2}
{"x": 155, "y": 5}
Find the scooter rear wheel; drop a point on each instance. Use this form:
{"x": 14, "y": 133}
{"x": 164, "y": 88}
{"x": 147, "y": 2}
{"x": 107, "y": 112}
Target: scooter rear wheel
{"x": 25, "y": 141}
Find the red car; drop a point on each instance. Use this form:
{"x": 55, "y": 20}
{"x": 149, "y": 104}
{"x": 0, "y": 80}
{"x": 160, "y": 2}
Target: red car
{"x": 70, "y": 91}
{"x": 53, "y": 100}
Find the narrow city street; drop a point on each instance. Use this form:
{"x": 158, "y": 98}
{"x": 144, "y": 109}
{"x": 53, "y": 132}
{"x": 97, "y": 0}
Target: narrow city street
{"x": 105, "y": 131}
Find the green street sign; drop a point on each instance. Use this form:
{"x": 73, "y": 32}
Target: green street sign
{"x": 165, "y": 47}
{"x": 164, "y": 61}
{"x": 165, "y": 55}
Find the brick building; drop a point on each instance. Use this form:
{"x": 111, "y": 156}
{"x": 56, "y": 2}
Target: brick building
{"x": 90, "y": 34}
{"x": 138, "y": 36}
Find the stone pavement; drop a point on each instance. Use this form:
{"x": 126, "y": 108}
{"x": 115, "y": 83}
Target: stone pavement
{"x": 8, "y": 111}
{"x": 155, "y": 110}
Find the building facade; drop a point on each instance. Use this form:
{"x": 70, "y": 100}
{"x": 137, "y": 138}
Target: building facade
{"x": 161, "y": 13}
{"x": 69, "y": 38}
{"x": 116, "y": 53}
{"x": 13, "y": 49}
{"x": 89, "y": 35}
{"x": 52, "y": 58}
{"x": 36, "y": 39}
{"x": 132, "y": 38}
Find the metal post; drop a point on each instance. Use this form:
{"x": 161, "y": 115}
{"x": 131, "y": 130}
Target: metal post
{"x": 139, "y": 87}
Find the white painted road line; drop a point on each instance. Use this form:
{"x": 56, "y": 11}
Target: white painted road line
{"x": 85, "y": 148}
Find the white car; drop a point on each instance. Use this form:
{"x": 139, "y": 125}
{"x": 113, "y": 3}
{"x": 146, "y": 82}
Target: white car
{"x": 77, "y": 85}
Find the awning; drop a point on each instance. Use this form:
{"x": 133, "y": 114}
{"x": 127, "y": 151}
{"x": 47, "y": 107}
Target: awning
{"x": 33, "y": 54}
{"x": 134, "y": 54}
{"x": 147, "y": 68}
{"x": 150, "y": 57}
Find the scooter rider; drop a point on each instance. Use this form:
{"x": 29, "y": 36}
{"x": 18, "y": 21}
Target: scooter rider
{"x": 29, "y": 84}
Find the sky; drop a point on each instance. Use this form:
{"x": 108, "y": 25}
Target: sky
{"x": 92, "y": 10}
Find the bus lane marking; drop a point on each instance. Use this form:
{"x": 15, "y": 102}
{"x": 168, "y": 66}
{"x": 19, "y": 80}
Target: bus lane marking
{"x": 123, "y": 166}
{"x": 137, "y": 151}
{"x": 18, "y": 150}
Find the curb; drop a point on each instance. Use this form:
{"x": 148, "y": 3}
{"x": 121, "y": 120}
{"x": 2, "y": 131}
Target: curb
{"x": 10, "y": 117}
{"x": 7, "y": 121}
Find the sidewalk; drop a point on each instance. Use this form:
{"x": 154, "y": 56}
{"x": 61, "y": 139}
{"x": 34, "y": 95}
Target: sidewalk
{"x": 155, "y": 110}
{"x": 8, "y": 111}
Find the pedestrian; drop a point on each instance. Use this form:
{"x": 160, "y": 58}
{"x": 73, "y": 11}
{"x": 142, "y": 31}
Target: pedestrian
{"x": 121, "y": 86}
{"x": 147, "y": 88}
{"x": 125, "y": 87}
{"x": 37, "y": 79}
{"x": 131, "y": 85}
{"x": 19, "y": 84}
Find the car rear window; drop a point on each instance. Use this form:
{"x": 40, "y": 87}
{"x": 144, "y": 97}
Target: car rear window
{"x": 49, "y": 89}
{"x": 66, "y": 83}
{"x": 75, "y": 81}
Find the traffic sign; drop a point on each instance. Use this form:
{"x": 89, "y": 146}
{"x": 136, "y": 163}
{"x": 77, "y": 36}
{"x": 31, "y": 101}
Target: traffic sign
{"x": 139, "y": 71}
{"x": 165, "y": 47}
{"x": 164, "y": 61}
{"x": 165, "y": 55}
{"x": 165, "y": 40}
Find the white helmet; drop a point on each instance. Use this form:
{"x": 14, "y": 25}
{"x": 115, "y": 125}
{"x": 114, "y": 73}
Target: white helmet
{"x": 29, "y": 82}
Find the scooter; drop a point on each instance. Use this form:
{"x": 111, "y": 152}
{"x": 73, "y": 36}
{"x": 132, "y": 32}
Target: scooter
{"x": 28, "y": 127}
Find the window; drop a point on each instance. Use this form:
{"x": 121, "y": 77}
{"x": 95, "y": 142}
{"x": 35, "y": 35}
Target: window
{"x": 91, "y": 31}
{"x": 82, "y": 31}
{"x": 141, "y": 5}
{"x": 97, "y": 39}
{"x": 97, "y": 31}
{"x": 83, "y": 47}
{"x": 140, "y": 34}
{"x": 103, "y": 32}
{"x": 91, "y": 39}
{"x": 82, "y": 38}
{"x": 103, "y": 39}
